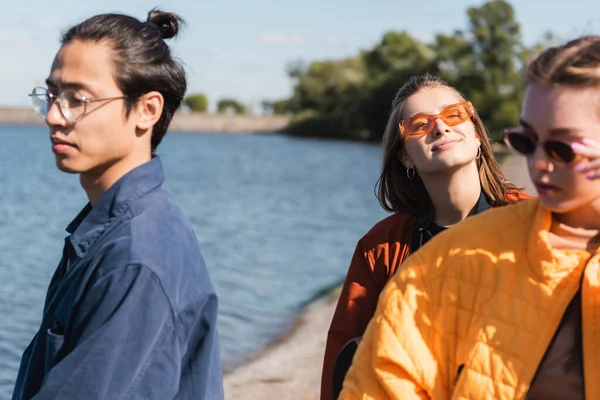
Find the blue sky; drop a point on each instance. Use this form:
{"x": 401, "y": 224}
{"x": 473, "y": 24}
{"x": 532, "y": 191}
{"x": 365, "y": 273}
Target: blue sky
{"x": 241, "y": 49}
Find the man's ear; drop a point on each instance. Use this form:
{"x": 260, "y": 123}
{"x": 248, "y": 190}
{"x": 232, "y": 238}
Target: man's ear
{"x": 149, "y": 109}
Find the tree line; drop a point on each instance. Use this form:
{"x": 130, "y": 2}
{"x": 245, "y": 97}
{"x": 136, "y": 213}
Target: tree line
{"x": 198, "y": 102}
{"x": 351, "y": 98}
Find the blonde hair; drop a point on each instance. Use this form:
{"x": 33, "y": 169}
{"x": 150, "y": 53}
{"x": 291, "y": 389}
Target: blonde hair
{"x": 575, "y": 63}
{"x": 397, "y": 193}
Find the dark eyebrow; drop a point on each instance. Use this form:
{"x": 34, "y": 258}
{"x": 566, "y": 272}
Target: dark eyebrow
{"x": 69, "y": 85}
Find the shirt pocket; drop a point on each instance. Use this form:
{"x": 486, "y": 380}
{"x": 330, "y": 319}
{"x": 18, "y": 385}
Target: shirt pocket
{"x": 54, "y": 342}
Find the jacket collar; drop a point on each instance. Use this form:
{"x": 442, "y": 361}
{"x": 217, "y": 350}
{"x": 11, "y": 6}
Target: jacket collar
{"x": 540, "y": 252}
{"x": 92, "y": 221}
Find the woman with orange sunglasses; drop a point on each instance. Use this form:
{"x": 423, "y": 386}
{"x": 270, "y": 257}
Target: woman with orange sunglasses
{"x": 505, "y": 305}
{"x": 438, "y": 168}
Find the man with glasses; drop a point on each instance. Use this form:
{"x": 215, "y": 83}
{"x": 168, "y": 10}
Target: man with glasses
{"x": 130, "y": 311}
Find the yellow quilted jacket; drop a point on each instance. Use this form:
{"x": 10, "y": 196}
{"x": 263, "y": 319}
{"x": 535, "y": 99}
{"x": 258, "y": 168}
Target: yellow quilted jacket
{"x": 470, "y": 315}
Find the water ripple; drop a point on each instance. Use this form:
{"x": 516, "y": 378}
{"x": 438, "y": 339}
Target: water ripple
{"x": 277, "y": 219}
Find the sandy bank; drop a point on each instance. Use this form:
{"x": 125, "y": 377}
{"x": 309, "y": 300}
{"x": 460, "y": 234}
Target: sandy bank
{"x": 291, "y": 367}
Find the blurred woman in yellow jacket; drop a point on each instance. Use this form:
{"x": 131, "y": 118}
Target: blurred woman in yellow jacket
{"x": 506, "y": 304}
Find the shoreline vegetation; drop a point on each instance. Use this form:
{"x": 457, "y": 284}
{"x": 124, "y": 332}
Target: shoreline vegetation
{"x": 350, "y": 98}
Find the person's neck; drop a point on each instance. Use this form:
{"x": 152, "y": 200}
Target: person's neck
{"x": 454, "y": 194}
{"x": 563, "y": 236}
{"x": 98, "y": 181}
{"x": 586, "y": 217}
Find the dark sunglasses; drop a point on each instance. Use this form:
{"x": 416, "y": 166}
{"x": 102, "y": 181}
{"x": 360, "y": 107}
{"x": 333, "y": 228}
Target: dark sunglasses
{"x": 526, "y": 145}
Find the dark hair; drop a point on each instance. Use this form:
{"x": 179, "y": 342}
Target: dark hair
{"x": 575, "y": 63}
{"x": 143, "y": 61}
{"x": 397, "y": 193}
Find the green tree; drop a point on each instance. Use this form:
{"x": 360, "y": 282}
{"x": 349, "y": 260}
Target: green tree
{"x": 352, "y": 97}
{"x": 397, "y": 51}
{"x": 321, "y": 85}
{"x": 454, "y": 58}
{"x": 497, "y": 51}
{"x": 277, "y": 107}
{"x": 196, "y": 102}
{"x": 389, "y": 64}
{"x": 225, "y": 105}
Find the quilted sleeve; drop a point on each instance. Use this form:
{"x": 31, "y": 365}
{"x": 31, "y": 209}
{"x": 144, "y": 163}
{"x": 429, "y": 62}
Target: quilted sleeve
{"x": 394, "y": 359}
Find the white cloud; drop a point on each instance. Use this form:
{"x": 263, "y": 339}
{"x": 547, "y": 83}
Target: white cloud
{"x": 280, "y": 39}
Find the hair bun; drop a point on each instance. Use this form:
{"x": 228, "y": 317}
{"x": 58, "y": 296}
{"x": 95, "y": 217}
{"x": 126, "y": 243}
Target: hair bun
{"x": 167, "y": 23}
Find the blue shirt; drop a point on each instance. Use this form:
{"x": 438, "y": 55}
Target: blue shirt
{"x": 130, "y": 312}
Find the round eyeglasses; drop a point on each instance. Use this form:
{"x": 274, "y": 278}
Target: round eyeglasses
{"x": 72, "y": 104}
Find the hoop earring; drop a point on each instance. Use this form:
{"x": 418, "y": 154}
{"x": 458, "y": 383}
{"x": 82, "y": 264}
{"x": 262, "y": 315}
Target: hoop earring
{"x": 410, "y": 173}
{"x": 478, "y": 153}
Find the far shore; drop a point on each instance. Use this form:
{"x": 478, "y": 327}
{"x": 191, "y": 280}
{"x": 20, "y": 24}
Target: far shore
{"x": 182, "y": 122}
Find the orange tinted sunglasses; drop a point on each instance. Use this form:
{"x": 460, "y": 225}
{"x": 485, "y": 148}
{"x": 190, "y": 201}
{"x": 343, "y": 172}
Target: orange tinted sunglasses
{"x": 423, "y": 124}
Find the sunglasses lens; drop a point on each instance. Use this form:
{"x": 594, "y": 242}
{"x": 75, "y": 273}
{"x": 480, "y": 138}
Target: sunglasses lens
{"x": 560, "y": 151}
{"x": 39, "y": 102}
{"x": 418, "y": 125}
{"x": 455, "y": 115}
{"x": 521, "y": 143}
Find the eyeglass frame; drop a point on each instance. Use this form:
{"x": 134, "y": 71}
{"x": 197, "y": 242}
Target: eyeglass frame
{"x": 51, "y": 99}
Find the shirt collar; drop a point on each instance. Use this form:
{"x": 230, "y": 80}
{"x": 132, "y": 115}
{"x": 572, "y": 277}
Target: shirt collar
{"x": 92, "y": 221}
{"x": 549, "y": 261}
{"x": 482, "y": 205}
